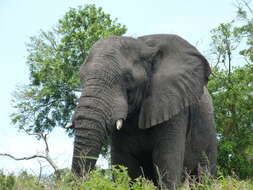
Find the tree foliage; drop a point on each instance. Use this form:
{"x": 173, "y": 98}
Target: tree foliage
{"x": 232, "y": 89}
{"x": 54, "y": 60}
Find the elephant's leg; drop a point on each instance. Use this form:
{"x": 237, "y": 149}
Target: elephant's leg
{"x": 123, "y": 149}
{"x": 127, "y": 160}
{"x": 203, "y": 166}
{"x": 147, "y": 167}
{"x": 212, "y": 156}
{"x": 168, "y": 154}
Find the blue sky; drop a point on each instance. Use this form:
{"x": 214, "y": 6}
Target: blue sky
{"x": 20, "y": 19}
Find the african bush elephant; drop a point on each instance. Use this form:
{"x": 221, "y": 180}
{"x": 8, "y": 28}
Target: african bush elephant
{"x": 148, "y": 94}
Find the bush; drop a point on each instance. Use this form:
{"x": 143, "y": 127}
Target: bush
{"x": 6, "y": 182}
{"x": 114, "y": 179}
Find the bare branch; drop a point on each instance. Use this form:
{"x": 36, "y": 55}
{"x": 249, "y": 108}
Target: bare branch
{"x": 22, "y": 158}
{"x": 40, "y": 172}
{"x": 45, "y": 156}
{"x": 43, "y": 137}
{"x": 246, "y": 4}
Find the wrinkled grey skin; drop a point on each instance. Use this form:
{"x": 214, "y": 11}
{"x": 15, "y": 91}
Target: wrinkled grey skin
{"x": 156, "y": 85}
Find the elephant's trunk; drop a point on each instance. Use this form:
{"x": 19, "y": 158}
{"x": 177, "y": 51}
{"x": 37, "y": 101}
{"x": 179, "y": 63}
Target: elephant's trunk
{"x": 92, "y": 126}
{"x": 90, "y": 130}
{"x": 87, "y": 146}
{"x": 101, "y": 110}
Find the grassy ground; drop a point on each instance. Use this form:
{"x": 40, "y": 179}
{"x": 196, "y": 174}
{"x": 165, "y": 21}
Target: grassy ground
{"x": 102, "y": 180}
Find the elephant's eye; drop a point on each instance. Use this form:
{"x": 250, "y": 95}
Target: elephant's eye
{"x": 128, "y": 78}
{"x": 131, "y": 95}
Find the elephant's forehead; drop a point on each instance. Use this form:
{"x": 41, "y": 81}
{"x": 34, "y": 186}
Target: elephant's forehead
{"x": 108, "y": 43}
{"x": 123, "y": 44}
{"x": 99, "y": 69}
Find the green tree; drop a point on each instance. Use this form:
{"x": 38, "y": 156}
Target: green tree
{"x": 231, "y": 86}
{"x": 54, "y": 60}
{"x": 245, "y": 15}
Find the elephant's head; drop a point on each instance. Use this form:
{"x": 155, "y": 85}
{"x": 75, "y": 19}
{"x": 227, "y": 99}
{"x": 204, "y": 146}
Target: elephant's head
{"x": 154, "y": 76}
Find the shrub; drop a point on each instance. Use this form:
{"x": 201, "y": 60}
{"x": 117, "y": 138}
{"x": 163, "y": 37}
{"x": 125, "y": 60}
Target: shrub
{"x": 113, "y": 179}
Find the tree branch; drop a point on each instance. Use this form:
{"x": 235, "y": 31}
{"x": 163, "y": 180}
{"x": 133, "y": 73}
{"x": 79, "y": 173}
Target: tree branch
{"x": 246, "y": 4}
{"x": 22, "y": 158}
{"x": 45, "y": 156}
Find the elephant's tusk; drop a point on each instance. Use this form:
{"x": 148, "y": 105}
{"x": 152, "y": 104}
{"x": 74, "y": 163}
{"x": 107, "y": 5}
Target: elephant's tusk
{"x": 69, "y": 125}
{"x": 119, "y": 124}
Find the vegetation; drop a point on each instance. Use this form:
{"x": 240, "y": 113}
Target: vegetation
{"x": 102, "y": 180}
{"x": 232, "y": 89}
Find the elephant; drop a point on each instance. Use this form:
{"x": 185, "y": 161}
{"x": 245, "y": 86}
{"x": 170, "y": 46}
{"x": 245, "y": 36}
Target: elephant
{"x": 149, "y": 96}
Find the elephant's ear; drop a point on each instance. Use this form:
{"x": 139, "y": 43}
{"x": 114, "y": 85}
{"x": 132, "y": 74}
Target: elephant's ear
{"x": 179, "y": 75}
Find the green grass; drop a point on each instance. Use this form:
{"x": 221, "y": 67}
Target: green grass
{"x": 115, "y": 179}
